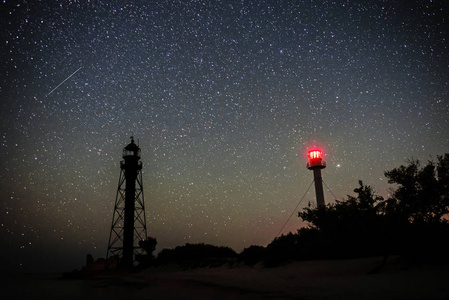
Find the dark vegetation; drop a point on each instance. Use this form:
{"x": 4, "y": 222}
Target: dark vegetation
{"x": 198, "y": 255}
{"x": 148, "y": 246}
{"x": 412, "y": 222}
{"x": 188, "y": 256}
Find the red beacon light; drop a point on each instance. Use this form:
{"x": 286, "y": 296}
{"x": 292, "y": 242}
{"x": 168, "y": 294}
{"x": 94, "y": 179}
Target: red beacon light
{"x": 315, "y": 160}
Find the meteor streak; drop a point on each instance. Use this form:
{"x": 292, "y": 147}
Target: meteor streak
{"x": 64, "y": 81}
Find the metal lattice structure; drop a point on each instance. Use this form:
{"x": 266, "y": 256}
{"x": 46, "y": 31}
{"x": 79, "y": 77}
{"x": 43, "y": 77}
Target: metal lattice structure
{"x": 128, "y": 221}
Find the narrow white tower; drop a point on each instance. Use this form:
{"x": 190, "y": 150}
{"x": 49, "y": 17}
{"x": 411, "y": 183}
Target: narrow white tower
{"x": 316, "y": 163}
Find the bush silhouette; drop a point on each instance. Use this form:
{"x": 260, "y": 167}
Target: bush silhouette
{"x": 148, "y": 246}
{"x": 252, "y": 255}
{"x": 197, "y": 255}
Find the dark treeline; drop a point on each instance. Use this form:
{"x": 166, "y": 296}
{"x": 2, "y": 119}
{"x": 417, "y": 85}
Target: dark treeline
{"x": 188, "y": 256}
{"x": 197, "y": 255}
{"x": 411, "y": 222}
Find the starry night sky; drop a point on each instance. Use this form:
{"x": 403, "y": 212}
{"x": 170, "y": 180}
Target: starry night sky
{"x": 225, "y": 97}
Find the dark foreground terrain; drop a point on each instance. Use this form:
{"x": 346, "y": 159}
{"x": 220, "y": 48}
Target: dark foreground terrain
{"x": 330, "y": 279}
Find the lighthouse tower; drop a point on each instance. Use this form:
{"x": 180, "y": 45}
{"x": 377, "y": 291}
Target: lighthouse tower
{"x": 316, "y": 163}
{"x": 128, "y": 221}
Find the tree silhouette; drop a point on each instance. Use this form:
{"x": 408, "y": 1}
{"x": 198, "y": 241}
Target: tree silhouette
{"x": 422, "y": 193}
{"x": 148, "y": 245}
{"x": 348, "y": 228}
{"x": 417, "y": 212}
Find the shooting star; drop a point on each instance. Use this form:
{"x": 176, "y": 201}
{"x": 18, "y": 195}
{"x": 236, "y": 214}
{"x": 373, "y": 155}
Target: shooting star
{"x": 64, "y": 81}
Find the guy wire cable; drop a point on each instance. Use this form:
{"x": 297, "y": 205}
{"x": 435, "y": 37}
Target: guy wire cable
{"x": 329, "y": 190}
{"x": 295, "y": 209}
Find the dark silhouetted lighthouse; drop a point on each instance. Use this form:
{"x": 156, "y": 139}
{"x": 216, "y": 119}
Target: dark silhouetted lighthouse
{"x": 128, "y": 221}
{"x": 316, "y": 164}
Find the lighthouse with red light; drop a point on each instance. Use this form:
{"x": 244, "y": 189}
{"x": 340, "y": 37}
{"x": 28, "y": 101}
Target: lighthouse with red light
{"x": 316, "y": 163}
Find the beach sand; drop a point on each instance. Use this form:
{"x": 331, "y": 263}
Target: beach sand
{"x": 321, "y": 279}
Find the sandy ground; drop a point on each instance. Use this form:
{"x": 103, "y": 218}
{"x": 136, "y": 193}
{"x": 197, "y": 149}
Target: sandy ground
{"x": 339, "y": 279}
